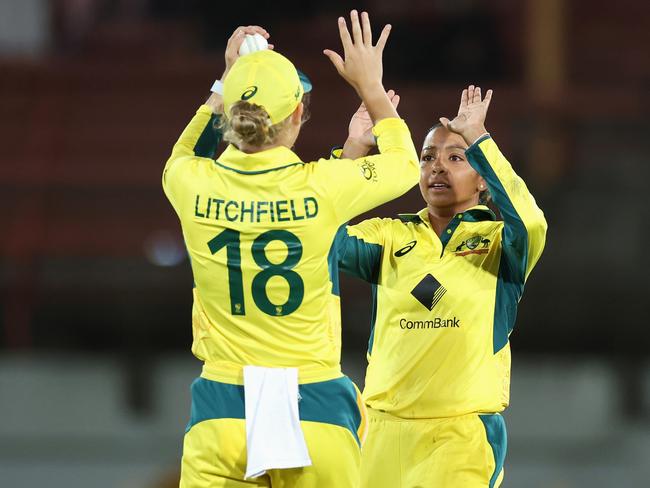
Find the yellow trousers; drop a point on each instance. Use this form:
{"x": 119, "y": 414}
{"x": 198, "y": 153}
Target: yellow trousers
{"x": 467, "y": 451}
{"x": 332, "y": 419}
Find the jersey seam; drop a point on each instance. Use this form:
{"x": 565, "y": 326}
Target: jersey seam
{"x": 259, "y": 172}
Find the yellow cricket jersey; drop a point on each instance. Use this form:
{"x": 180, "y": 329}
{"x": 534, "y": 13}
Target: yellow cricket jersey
{"x": 259, "y": 229}
{"x": 445, "y": 306}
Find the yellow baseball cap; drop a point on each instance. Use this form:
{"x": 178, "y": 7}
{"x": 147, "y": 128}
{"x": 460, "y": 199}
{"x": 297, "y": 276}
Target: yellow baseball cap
{"x": 268, "y": 79}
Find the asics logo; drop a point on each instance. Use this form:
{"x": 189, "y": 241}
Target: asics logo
{"x": 400, "y": 252}
{"x": 249, "y": 93}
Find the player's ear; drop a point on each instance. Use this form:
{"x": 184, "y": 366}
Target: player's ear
{"x": 296, "y": 116}
{"x": 482, "y": 186}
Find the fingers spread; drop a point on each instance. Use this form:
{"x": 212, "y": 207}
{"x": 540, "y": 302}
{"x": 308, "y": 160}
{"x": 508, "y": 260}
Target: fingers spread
{"x": 463, "y": 99}
{"x": 394, "y": 97}
{"x": 344, "y": 34}
{"x": 477, "y": 95}
{"x": 488, "y": 98}
{"x": 336, "y": 60}
{"x": 356, "y": 27}
{"x": 383, "y": 37}
{"x": 367, "y": 31}
{"x": 470, "y": 94}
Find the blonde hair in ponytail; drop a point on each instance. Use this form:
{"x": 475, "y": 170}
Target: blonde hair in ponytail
{"x": 250, "y": 125}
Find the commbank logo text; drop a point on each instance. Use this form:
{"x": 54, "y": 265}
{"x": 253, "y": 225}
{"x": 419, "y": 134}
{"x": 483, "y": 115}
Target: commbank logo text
{"x": 435, "y": 323}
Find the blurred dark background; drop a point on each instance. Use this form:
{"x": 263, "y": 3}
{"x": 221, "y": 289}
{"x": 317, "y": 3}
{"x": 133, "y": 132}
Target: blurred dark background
{"x": 95, "y": 287}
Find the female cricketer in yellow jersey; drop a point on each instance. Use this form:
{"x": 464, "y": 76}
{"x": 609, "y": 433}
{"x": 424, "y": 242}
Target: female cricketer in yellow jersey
{"x": 260, "y": 226}
{"x": 446, "y": 284}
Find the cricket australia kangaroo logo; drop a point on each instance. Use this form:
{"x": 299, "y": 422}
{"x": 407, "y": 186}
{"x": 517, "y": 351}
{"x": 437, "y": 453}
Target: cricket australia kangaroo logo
{"x": 429, "y": 291}
{"x": 473, "y": 245}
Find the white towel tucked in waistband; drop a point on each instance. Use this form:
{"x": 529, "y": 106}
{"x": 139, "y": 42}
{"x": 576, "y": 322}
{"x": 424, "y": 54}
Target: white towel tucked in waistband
{"x": 274, "y": 439}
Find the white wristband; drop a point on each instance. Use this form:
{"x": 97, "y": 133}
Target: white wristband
{"x": 217, "y": 87}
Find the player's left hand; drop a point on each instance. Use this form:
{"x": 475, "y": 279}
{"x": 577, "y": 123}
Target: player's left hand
{"x": 360, "y": 128}
{"x": 470, "y": 121}
{"x": 360, "y": 137}
{"x": 236, "y": 40}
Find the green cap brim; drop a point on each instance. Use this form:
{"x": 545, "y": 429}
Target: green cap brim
{"x": 304, "y": 81}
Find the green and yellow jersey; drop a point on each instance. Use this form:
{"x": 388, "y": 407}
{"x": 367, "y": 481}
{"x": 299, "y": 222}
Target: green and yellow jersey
{"x": 444, "y": 307}
{"x": 259, "y": 229}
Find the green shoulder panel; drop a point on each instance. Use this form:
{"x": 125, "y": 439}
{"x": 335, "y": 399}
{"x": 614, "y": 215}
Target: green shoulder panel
{"x": 514, "y": 253}
{"x": 209, "y": 139}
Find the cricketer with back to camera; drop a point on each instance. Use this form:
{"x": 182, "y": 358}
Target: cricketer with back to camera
{"x": 260, "y": 226}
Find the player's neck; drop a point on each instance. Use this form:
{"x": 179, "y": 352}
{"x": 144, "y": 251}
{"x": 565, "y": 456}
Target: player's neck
{"x": 281, "y": 142}
{"x": 286, "y": 138}
{"x": 439, "y": 220}
{"x": 439, "y": 217}
{"x": 256, "y": 149}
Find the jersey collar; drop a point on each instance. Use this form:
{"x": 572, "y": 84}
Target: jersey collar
{"x": 477, "y": 213}
{"x": 473, "y": 214}
{"x": 255, "y": 163}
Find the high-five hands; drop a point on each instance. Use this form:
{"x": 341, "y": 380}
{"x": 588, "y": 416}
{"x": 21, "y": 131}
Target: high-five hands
{"x": 362, "y": 64}
{"x": 360, "y": 127}
{"x": 360, "y": 137}
{"x": 470, "y": 121}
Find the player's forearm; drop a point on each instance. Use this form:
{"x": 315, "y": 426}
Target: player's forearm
{"x": 474, "y": 133}
{"x": 524, "y": 222}
{"x": 215, "y": 102}
{"x": 393, "y": 137}
{"x": 507, "y": 188}
{"x": 354, "y": 149}
{"x": 397, "y": 159}
{"x": 377, "y": 102}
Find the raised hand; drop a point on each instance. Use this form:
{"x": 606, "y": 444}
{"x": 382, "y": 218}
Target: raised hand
{"x": 215, "y": 101}
{"x": 360, "y": 137}
{"x": 360, "y": 128}
{"x": 362, "y": 67}
{"x": 363, "y": 61}
{"x": 235, "y": 41}
{"x": 470, "y": 121}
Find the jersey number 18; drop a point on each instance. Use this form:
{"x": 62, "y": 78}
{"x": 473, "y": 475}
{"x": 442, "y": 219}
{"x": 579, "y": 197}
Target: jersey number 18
{"x": 230, "y": 240}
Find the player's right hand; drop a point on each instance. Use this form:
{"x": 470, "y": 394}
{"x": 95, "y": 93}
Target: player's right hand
{"x": 360, "y": 128}
{"x": 362, "y": 66}
{"x": 470, "y": 121}
{"x": 236, "y": 40}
